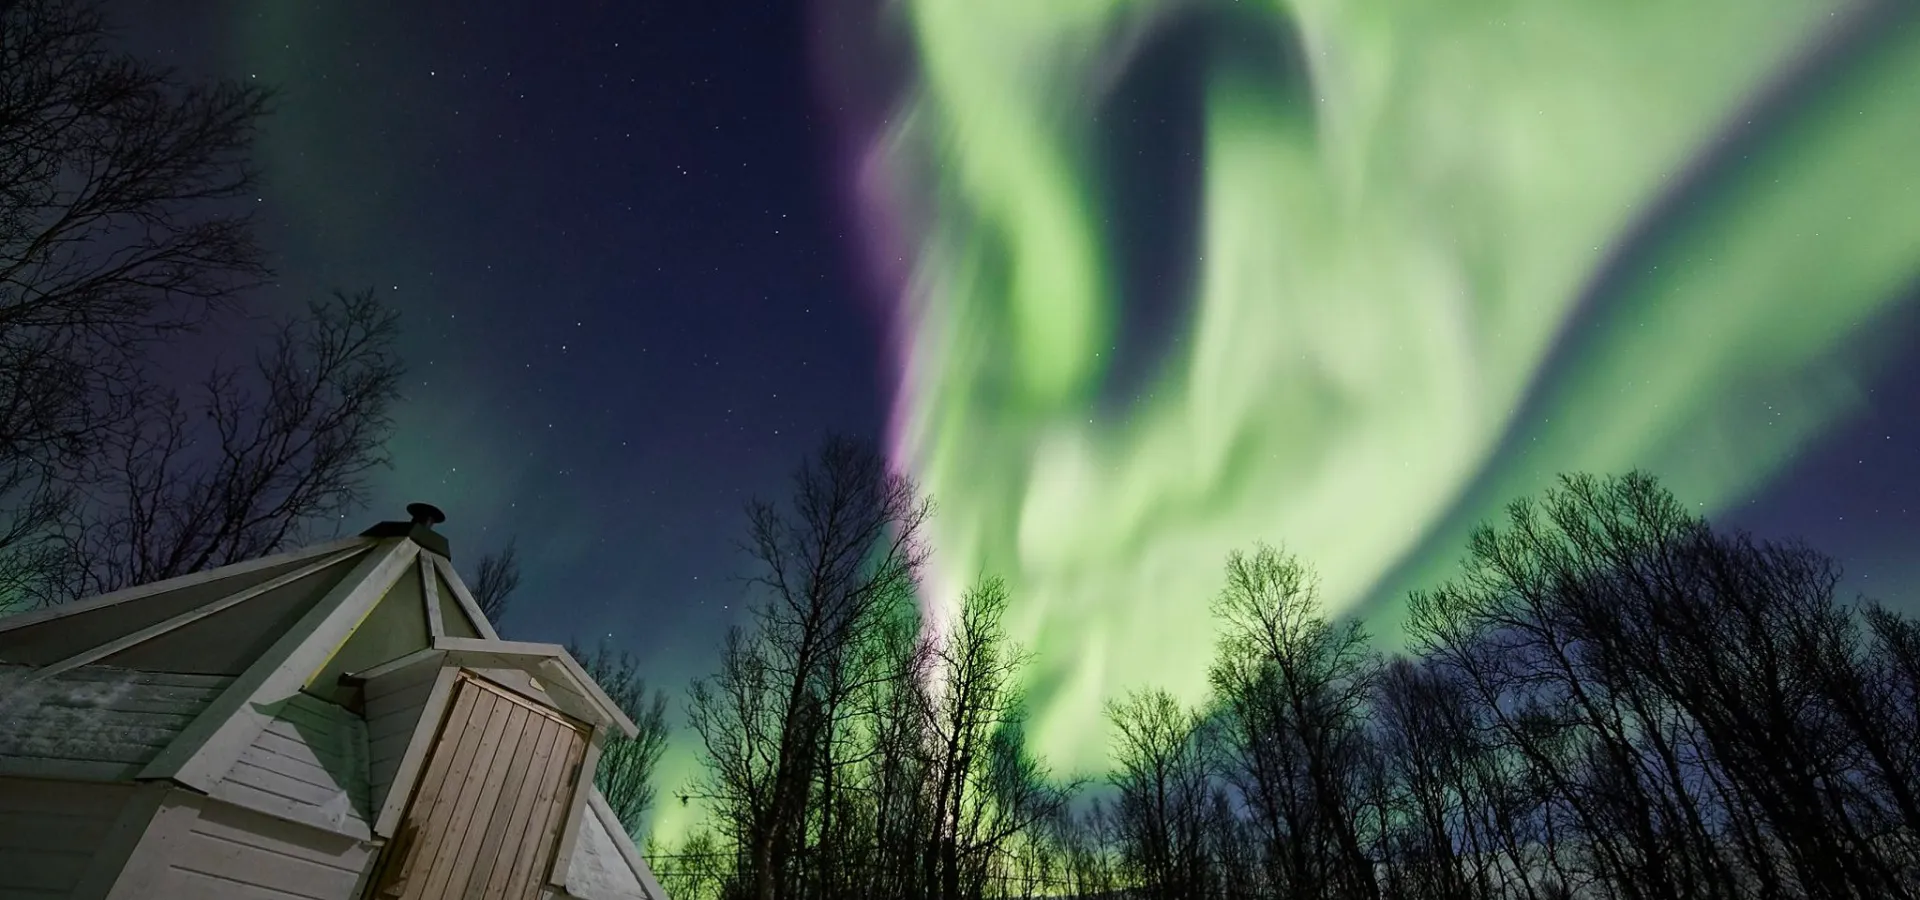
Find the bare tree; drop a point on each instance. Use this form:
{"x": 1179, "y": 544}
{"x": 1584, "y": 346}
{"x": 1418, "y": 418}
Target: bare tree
{"x": 494, "y": 582}
{"x": 1612, "y": 700}
{"x": 1165, "y": 775}
{"x": 830, "y": 566}
{"x": 124, "y": 225}
{"x": 987, "y": 791}
{"x": 625, "y": 772}
{"x": 1292, "y": 688}
{"x": 698, "y": 868}
{"x": 888, "y": 776}
{"x": 116, "y": 230}
{"x": 252, "y": 464}
{"x": 1446, "y": 810}
{"x": 1695, "y": 714}
{"x": 1878, "y": 697}
{"x": 1088, "y": 846}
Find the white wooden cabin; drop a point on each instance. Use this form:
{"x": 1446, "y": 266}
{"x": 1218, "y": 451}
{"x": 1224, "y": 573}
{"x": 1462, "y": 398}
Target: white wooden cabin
{"x": 336, "y": 723}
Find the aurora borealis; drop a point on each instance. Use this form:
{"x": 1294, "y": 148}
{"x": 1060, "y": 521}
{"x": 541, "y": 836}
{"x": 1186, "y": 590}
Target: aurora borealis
{"x": 1125, "y": 283}
{"x": 1440, "y": 252}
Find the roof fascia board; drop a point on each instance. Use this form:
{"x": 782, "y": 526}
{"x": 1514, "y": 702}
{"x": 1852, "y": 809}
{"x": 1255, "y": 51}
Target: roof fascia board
{"x": 464, "y": 596}
{"x": 495, "y": 645}
{"x": 563, "y": 664}
{"x": 586, "y": 684}
{"x": 624, "y": 843}
{"x": 556, "y": 698}
{"x": 187, "y": 618}
{"x": 430, "y": 595}
{"x": 22, "y": 620}
{"x": 394, "y": 665}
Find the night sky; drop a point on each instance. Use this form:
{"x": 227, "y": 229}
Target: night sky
{"x": 643, "y": 267}
{"x": 627, "y": 298}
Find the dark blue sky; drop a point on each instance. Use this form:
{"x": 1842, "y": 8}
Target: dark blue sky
{"x": 628, "y": 298}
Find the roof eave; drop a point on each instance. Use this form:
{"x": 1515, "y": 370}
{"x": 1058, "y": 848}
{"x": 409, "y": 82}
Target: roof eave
{"x": 563, "y": 664}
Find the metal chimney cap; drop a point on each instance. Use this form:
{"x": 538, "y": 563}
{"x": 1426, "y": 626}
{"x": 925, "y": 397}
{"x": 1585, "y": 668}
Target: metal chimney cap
{"x": 426, "y": 514}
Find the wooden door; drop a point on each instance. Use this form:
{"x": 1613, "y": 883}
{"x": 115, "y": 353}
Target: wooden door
{"x": 490, "y": 803}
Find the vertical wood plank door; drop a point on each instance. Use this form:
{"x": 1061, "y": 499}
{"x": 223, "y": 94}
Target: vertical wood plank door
{"x": 490, "y": 803}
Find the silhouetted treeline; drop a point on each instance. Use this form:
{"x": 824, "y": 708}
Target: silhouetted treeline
{"x": 1610, "y": 700}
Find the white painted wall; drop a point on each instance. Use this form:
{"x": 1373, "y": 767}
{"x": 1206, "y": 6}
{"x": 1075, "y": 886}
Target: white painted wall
{"x": 394, "y": 704}
{"x": 201, "y": 848}
{"x": 309, "y": 765}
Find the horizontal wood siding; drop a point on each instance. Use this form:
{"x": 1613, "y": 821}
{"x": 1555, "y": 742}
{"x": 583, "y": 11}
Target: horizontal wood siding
{"x": 309, "y": 764}
{"x": 394, "y": 704}
{"x": 95, "y": 722}
{"x": 49, "y": 831}
{"x": 224, "y": 852}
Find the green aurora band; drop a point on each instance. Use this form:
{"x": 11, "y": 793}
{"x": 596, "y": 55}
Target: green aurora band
{"x": 1379, "y": 347}
{"x": 1393, "y": 249}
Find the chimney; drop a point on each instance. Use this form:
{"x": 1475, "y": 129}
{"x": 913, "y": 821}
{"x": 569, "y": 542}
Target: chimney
{"x": 426, "y": 514}
{"x": 421, "y": 517}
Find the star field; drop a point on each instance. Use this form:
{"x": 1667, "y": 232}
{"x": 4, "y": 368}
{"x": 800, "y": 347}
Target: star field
{"x": 641, "y": 275}
{"x": 627, "y": 302}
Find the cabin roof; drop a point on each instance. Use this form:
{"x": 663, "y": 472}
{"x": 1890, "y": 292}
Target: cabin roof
{"x": 184, "y": 679}
{"x": 223, "y": 621}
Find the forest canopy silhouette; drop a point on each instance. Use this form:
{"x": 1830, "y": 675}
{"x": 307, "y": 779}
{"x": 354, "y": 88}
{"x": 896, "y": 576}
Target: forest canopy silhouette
{"x": 1611, "y": 698}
